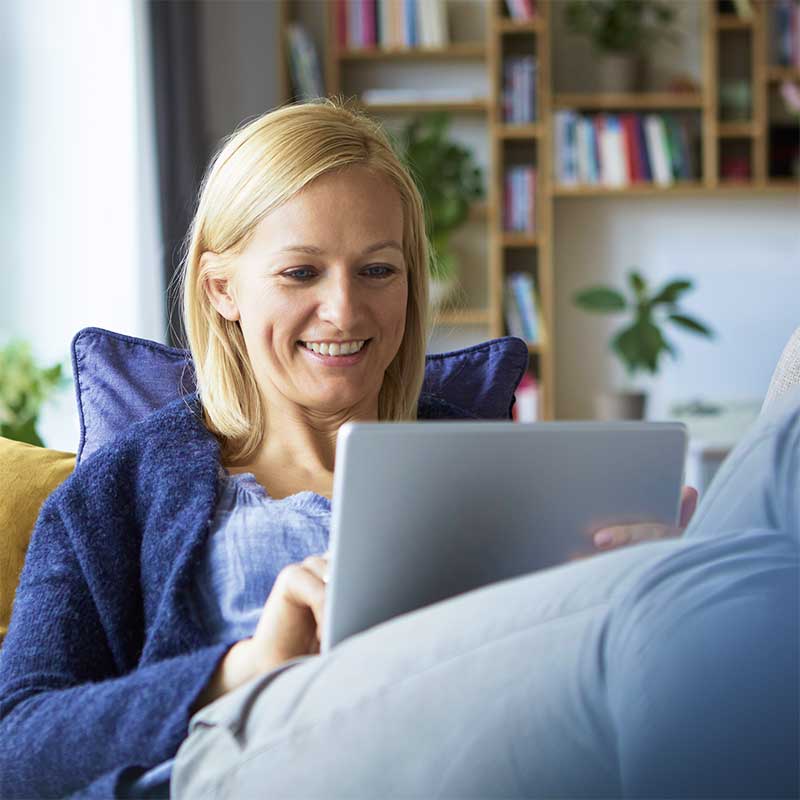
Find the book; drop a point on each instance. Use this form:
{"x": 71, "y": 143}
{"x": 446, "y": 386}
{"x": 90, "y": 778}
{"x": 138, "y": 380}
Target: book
{"x": 525, "y": 294}
{"x": 657, "y": 150}
{"x": 526, "y": 400}
{"x": 513, "y": 315}
{"x": 305, "y": 73}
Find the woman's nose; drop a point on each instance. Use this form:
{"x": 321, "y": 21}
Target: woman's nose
{"x": 339, "y": 303}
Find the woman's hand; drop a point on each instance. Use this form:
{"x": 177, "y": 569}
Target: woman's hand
{"x": 620, "y": 535}
{"x": 290, "y": 625}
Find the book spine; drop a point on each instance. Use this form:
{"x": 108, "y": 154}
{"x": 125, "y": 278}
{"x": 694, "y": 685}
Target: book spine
{"x": 513, "y": 317}
{"x": 520, "y": 300}
{"x": 656, "y": 149}
{"x": 524, "y": 290}
{"x": 526, "y": 400}
{"x": 629, "y": 139}
{"x": 532, "y": 199}
{"x": 370, "y": 39}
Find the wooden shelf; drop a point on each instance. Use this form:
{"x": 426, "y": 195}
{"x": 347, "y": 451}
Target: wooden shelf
{"x": 505, "y": 37}
{"x": 513, "y": 26}
{"x": 637, "y": 190}
{"x": 730, "y": 22}
{"x": 453, "y": 106}
{"x": 515, "y": 239}
{"x": 737, "y": 130}
{"x": 681, "y": 189}
{"x": 452, "y": 51}
{"x": 633, "y": 101}
{"x": 780, "y": 74}
{"x": 461, "y": 316}
{"x": 534, "y": 130}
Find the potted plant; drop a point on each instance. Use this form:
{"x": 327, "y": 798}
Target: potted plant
{"x": 449, "y": 181}
{"x": 621, "y": 31}
{"x": 641, "y": 343}
{"x": 24, "y": 387}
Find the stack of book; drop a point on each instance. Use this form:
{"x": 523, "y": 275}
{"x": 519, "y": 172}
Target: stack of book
{"x": 618, "y": 150}
{"x": 304, "y": 68}
{"x": 521, "y": 9}
{"x": 519, "y": 89}
{"x": 526, "y": 400}
{"x": 522, "y": 318}
{"x": 786, "y": 32}
{"x": 519, "y": 200}
{"x": 391, "y": 23}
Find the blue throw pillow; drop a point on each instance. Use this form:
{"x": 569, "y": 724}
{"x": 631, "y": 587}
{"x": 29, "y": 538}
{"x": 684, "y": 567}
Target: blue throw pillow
{"x": 120, "y": 379}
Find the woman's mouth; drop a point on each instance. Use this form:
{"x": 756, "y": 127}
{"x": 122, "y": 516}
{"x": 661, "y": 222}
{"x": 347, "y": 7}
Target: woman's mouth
{"x": 336, "y": 354}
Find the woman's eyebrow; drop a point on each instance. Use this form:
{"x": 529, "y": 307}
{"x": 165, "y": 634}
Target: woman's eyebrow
{"x": 316, "y": 251}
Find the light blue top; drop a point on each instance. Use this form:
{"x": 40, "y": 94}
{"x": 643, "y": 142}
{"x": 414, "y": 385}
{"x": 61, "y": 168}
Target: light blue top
{"x": 251, "y": 539}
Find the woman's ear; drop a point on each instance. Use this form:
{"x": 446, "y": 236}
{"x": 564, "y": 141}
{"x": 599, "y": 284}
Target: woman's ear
{"x": 218, "y": 289}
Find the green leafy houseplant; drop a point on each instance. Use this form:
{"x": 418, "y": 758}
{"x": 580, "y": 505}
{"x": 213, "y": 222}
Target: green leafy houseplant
{"x": 448, "y": 179}
{"x": 641, "y": 343}
{"x": 621, "y": 26}
{"x": 24, "y": 386}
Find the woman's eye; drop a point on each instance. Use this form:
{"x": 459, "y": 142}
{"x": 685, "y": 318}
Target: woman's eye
{"x": 300, "y": 274}
{"x": 380, "y": 271}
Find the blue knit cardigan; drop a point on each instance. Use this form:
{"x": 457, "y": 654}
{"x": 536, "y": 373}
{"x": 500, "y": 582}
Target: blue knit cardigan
{"x": 103, "y": 660}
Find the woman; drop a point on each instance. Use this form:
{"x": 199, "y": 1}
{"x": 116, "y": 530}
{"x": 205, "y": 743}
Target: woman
{"x": 141, "y": 604}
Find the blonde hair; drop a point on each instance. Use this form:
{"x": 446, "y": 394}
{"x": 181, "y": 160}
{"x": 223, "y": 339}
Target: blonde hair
{"x": 259, "y": 167}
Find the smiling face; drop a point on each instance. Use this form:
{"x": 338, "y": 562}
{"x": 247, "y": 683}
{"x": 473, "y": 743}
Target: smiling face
{"x": 323, "y": 272}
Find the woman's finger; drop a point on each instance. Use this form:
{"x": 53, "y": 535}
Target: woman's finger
{"x": 620, "y": 535}
{"x": 689, "y": 498}
{"x": 318, "y": 565}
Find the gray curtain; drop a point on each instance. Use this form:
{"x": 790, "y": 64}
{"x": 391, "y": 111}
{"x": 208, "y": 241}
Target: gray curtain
{"x": 180, "y": 129}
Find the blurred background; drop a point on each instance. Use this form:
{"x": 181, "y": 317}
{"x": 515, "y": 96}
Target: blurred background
{"x": 599, "y": 153}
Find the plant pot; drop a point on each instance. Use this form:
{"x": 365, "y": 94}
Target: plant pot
{"x": 619, "y": 72}
{"x": 620, "y": 405}
{"x": 440, "y": 291}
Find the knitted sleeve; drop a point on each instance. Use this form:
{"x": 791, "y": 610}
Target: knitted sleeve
{"x": 68, "y": 714}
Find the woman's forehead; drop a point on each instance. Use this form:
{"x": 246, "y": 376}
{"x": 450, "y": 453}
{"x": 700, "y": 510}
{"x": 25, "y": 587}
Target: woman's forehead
{"x": 335, "y": 216}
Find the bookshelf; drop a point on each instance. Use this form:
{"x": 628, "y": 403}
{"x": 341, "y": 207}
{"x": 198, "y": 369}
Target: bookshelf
{"x": 732, "y": 49}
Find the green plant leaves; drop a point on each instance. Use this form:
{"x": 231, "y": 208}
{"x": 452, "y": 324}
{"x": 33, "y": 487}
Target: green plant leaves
{"x": 24, "y": 386}
{"x": 446, "y": 175}
{"x": 691, "y": 324}
{"x": 621, "y": 25}
{"x": 641, "y": 343}
{"x": 672, "y": 292}
{"x": 600, "y": 299}
{"x": 640, "y": 346}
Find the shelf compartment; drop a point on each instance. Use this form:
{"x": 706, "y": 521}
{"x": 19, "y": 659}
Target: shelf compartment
{"x": 533, "y": 130}
{"x": 629, "y": 100}
{"x": 518, "y": 239}
{"x": 513, "y": 26}
{"x": 730, "y": 22}
{"x": 463, "y": 50}
{"x": 780, "y": 74}
{"x": 737, "y": 130}
{"x": 679, "y": 187}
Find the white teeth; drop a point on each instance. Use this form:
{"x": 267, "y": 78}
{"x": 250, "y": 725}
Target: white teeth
{"x": 335, "y": 348}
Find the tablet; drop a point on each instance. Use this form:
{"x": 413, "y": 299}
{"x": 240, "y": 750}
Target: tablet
{"x": 424, "y": 511}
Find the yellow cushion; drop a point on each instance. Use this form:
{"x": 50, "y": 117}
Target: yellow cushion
{"x": 27, "y": 474}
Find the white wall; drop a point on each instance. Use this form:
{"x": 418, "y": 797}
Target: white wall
{"x": 743, "y": 254}
{"x": 78, "y": 199}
